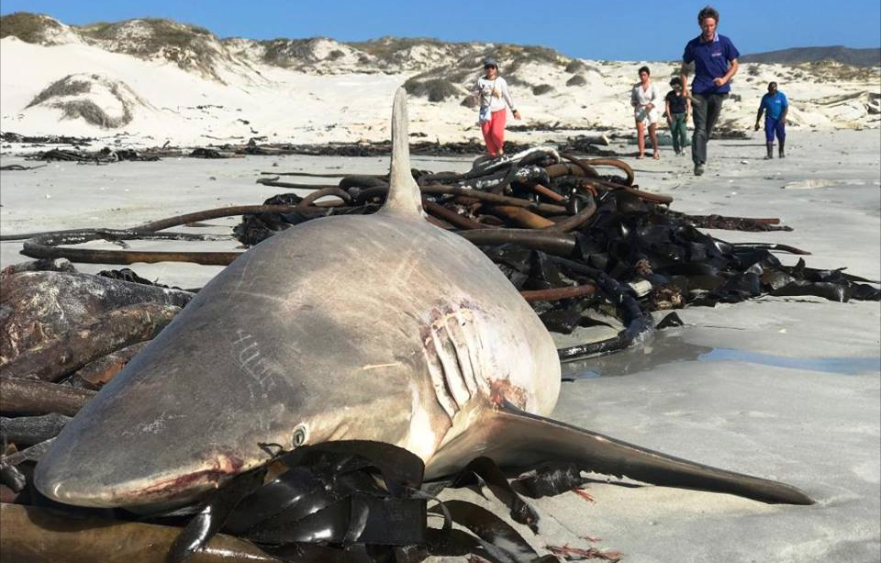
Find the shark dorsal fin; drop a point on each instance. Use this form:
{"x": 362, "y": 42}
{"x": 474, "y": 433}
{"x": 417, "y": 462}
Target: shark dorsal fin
{"x": 404, "y": 196}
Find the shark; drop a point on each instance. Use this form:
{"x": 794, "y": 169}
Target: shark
{"x": 379, "y": 327}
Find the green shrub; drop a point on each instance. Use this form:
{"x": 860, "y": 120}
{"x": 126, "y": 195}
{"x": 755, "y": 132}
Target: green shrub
{"x": 576, "y": 80}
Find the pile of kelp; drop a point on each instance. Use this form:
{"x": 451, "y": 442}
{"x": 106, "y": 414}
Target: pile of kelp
{"x": 572, "y": 239}
{"x": 582, "y": 144}
{"x": 577, "y": 237}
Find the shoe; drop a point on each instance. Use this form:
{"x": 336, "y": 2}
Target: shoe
{"x": 769, "y": 157}
{"x": 782, "y": 155}
{"x": 698, "y": 169}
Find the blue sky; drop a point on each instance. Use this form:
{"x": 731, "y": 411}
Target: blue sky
{"x": 624, "y": 30}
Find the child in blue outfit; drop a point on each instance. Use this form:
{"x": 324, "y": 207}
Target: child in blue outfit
{"x": 777, "y": 106}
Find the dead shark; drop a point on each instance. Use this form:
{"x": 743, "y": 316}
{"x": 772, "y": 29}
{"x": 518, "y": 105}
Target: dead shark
{"x": 380, "y": 327}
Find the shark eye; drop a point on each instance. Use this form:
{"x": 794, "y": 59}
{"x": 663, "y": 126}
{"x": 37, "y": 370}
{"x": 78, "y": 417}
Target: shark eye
{"x": 300, "y": 436}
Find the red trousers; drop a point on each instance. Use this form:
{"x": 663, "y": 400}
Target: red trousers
{"x": 494, "y": 131}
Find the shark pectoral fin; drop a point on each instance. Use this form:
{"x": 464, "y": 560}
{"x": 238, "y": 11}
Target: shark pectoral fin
{"x": 518, "y": 440}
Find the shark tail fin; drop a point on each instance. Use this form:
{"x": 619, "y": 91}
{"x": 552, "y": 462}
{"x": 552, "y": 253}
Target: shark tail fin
{"x": 404, "y": 196}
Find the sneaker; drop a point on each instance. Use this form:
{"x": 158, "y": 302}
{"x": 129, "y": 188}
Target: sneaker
{"x": 698, "y": 169}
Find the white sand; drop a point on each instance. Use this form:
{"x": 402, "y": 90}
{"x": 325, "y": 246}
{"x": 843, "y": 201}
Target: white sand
{"x": 344, "y": 101}
{"x": 784, "y": 388}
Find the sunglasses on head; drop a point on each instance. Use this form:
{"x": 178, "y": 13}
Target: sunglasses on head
{"x": 487, "y": 67}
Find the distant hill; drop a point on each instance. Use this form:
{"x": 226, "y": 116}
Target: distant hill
{"x": 844, "y": 55}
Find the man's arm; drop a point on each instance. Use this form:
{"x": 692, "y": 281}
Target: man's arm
{"x": 667, "y": 111}
{"x": 761, "y": 111}
{"x": 785, "y": 110}
{"x": 683, "y": 77}
{"x": 732, "y": 70}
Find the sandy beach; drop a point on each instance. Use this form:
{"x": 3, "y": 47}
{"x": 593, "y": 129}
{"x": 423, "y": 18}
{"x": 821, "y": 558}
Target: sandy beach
{"x": 783, "y": 388}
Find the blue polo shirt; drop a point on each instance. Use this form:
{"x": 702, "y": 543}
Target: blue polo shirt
{"x": 711, "y": 60}
{"x": 774, "y": 104}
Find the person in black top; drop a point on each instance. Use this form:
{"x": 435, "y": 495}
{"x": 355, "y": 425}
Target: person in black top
{"x": 678, "y": 112}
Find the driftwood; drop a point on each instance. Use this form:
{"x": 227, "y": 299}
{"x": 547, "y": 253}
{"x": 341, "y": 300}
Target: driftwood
{"x": 37, "y": 535}
{"x": 120, "y": 328}
{"x": 42, "y": 307}
{"x": 28, "y": 396}
{"x": 33, "y": 453}
{"x": 27, "y": 430}
{"x": 97, "y": 373}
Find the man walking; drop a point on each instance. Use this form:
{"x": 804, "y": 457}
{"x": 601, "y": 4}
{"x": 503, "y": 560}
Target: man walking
{"x": 715, "y": 63}
{"x": 678, "y": 112}
{"x": 777, "y": 106}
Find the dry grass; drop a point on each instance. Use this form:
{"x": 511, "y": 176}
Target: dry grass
{"x": 575, "y": 66}
{"x": 26, "y": 26}
{"x": 389, "y": 49}
{"x": 84, "y": 108}
{"x": 542, "y": 89}
{"x": 287, "y": 53}
{"x": 437, "y": 89}
{"x": 67, "y": 86}
{"x": 91, "y": 113}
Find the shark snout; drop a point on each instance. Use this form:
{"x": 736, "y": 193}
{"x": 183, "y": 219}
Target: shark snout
{"x": 63, "y": 478}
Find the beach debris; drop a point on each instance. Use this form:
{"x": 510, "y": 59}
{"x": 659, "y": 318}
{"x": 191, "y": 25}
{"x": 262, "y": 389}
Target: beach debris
{"x": 19, "y": 167}
{"x": 41, "y": 311}
{"x": 33, "y": 397}
{"x": 121, "y": 327}
{"x": 32, "y": 534}
{"x": 103, "y": 156}
{"x": 11, "y": 137}
{"x": 29, "y": 430}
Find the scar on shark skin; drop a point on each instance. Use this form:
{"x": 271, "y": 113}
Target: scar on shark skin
{"x": 251, "y": 361}
{"x": 369, "y": 367}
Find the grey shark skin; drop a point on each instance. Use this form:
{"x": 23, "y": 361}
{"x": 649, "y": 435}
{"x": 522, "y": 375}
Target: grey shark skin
{"x": 379, "y": 327}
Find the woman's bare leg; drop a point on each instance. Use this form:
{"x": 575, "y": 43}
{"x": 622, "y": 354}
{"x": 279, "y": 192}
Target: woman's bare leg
{"x": 640, "y": 138}
{"x": 653, "y": 134}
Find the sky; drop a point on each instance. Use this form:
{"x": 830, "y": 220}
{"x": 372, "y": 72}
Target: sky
{"x": 591, "y": 29}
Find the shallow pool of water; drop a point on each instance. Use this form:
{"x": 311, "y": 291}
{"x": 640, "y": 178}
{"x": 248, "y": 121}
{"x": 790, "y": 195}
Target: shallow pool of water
{"x": 841, "y": 365}
{"x": 672, "y": 348}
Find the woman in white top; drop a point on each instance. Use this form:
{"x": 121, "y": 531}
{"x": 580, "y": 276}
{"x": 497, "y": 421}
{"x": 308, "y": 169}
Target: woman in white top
{"x": 647, "y": 102}
{"x": 492, "y": 93}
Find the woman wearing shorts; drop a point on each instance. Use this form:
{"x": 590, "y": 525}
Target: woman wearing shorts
{"x": 646, "y": 100}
